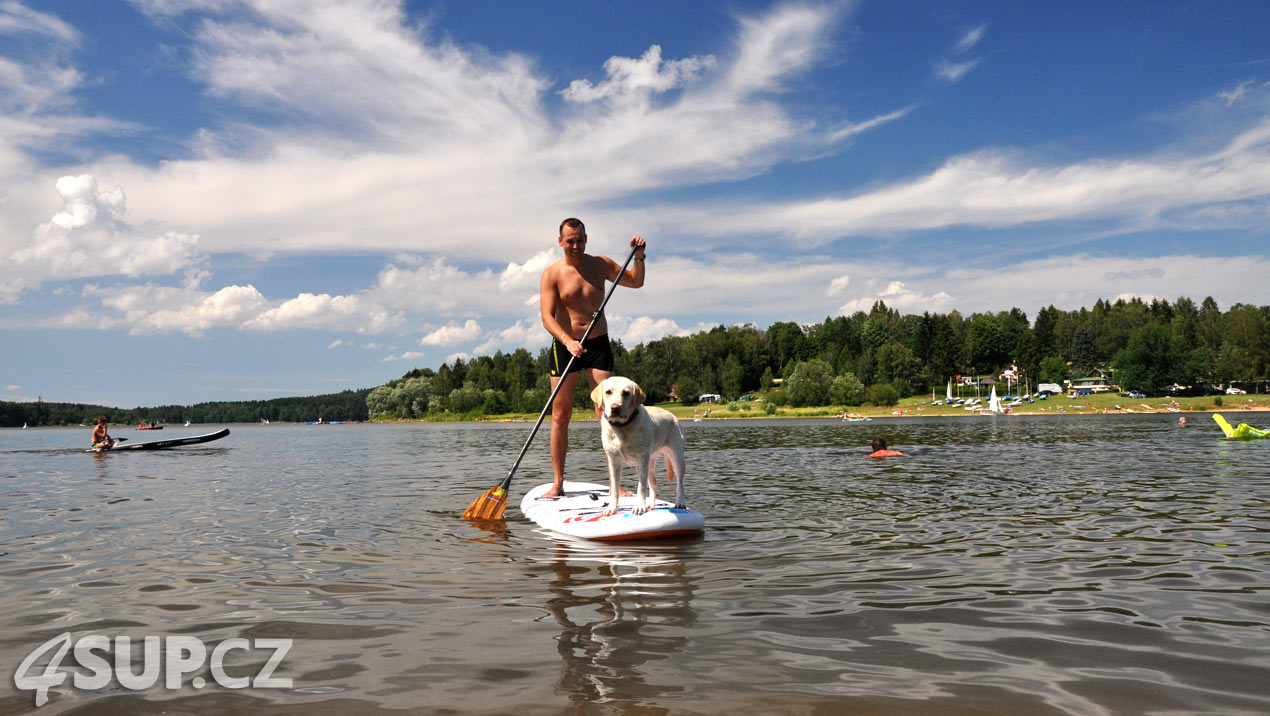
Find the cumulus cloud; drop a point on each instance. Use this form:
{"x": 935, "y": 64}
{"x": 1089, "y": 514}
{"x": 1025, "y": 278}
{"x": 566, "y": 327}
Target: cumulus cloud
{"x": 408, "y": 355}
{"x": 90, "y": 237}
{"x": 326, "y": 312}
{"x": 163, "y": 309}
{"x": 525, "y": 333}
{"x": 452, "y": 334}
{"x": 899, "y": 296}
{"x": 335, "y": 344}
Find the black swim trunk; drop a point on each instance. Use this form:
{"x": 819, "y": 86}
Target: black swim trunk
{"x": 598, "y": 355}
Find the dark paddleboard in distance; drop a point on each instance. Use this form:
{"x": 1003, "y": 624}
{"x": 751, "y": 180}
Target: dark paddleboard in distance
{"x": 170, "y": 442}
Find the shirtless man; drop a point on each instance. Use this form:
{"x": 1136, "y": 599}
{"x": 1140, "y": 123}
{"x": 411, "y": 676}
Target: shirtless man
{"x": 102, "y": 439}
{"x": 570, "y": 292}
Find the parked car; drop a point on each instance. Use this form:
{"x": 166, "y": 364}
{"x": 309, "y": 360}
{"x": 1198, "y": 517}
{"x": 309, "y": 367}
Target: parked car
{"x": 1135, "y": 394}
{"x": 1236, "y": 391}
{"x": 1084, "y": 391}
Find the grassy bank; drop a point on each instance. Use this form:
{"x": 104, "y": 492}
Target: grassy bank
{"x": 923, "y": 407}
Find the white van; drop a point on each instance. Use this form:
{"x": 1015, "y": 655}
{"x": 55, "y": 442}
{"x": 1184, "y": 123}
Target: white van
{"x": 710, "y": 398}
{"x": 1053, "y": 388}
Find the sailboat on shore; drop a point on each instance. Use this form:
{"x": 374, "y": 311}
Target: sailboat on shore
{"x": 994, "y": 403}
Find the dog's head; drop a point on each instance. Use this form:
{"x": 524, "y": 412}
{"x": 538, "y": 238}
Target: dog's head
{"x": 617, "y": 397}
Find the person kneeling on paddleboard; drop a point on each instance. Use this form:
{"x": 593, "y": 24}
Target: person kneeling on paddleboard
{"x": 101, "y": 439}
{"x": 880, "y": 449}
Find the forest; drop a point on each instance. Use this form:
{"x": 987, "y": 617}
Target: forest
{"x": 346, "y": 405}
{"x": 878, "y": 357}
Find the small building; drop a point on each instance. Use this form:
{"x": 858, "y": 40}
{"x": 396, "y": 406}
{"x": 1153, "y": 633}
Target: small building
{"x": 1098, "y": 381}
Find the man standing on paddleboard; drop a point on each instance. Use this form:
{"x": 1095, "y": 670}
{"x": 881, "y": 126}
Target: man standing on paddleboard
{"x": 569, "y": 294}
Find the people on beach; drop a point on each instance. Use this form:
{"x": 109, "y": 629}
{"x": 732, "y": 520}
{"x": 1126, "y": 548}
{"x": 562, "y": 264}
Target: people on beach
{"x": 571, "y": 290}
{"x": 880, "y": 449}
{"x": 101, "y": 438}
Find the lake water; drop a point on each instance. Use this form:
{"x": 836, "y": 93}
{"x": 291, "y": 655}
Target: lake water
{"x": 1007, "y": 565}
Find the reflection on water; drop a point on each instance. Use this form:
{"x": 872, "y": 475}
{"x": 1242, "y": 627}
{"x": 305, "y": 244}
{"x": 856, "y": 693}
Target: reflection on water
{"x": 1058, "y": 565}
{"x": 619, "y": 609}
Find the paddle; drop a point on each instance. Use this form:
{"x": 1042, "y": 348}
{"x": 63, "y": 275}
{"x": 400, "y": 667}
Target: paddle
{"x": 492, "y": 504}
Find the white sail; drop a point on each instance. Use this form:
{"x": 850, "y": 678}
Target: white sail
{"x": 994, "y": 403}
{"x": 949, "y": 398}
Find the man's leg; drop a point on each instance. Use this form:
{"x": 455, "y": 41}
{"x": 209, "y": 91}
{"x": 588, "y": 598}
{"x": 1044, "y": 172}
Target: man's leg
{"x": 561, "y": 412}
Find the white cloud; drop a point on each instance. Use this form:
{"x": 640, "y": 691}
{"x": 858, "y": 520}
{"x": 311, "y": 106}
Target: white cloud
{"x": 838, "y": 285}
{"x": 408, "y": 355}
{"x": 367, "y": 116}
{"x": 954, "y": 71}
{"x": 452, "y": 334}
{"x": 11, "y": 388}
{"x": 162, "y": 309}
{"x": 971, "y": 38}
{"x": 455, "y": 356}
{"x": 521, "y": 334}
{"x": 898, "y": 296}
{"x": 994, "y": 190}
{"x": 335, "y": 343}
{"x": 633, "y": 79}
{"x": 1238, "y": 93}
{"x": 326, "y": 312}
{"x": 525, "y": 276}
{"x": 90, "y": 237}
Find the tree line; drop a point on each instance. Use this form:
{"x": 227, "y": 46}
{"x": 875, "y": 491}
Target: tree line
{"x": 876, "y": 357}
{"x": 348, "y": 405}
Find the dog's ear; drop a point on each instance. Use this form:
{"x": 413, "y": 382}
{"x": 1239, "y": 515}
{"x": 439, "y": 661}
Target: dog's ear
{"x": 595, "y": 394}
{"x": 638, "y": 397}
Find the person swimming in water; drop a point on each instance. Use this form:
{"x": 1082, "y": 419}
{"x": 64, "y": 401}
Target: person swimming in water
{"x": 880, "y": 449}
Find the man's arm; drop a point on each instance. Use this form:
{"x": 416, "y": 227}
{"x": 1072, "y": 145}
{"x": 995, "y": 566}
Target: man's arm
{"x": 632, "y": 277}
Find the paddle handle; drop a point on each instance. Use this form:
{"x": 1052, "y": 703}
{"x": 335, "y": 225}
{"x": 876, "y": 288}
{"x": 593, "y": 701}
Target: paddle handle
{"x": 507, "y": 481}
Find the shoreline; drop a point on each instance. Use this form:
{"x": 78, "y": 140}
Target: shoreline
{"x": 912, "y": 408}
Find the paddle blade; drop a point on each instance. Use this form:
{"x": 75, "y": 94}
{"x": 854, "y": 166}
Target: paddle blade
{"x": 489, "y": 506}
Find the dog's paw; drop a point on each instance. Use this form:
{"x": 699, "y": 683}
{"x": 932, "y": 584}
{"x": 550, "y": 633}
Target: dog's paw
{"x": 639, "y": 509}
{"x": 680, "y": 506}
{"x": 608, "y": 511}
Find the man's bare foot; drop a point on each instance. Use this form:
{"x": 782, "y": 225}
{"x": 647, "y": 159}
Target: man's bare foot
{"x": 551, "y": 494}
{"x": 623, "y": 492}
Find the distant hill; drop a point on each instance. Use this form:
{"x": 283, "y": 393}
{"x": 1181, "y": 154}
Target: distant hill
{"x": 347, "y": 405}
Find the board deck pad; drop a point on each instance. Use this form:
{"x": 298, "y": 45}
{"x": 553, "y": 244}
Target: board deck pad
{"x": 580, "y": 514}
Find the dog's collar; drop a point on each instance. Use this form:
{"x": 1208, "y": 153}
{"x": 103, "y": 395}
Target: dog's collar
{"x": 627, "y": 421}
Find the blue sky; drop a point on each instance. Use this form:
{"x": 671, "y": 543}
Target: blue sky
{"x": 238, "y": 199}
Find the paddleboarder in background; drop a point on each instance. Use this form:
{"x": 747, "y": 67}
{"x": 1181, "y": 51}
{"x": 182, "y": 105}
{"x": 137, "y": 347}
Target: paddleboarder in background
{"x": 880, "y": 449}
{"x": 101, "y": 439}
{"x": 570, "y": 292}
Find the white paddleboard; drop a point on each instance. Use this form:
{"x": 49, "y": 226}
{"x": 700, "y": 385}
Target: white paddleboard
{"x": 579, "y": 514}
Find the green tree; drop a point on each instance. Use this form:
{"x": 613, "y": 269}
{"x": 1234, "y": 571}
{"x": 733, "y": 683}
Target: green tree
{"x": 846, "y": 389}
{"x": 1154, "y": 358}
{"x": 881, "y": 394}
{"x": 809, "y": 383}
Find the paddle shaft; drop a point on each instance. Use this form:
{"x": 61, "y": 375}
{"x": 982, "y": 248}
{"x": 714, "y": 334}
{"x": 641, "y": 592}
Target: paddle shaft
{"x": 507, "y": 481}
